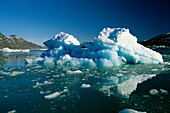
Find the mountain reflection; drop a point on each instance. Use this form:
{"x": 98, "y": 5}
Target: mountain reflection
{"x": 10, "y": 59}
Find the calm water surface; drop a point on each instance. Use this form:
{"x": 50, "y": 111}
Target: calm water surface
{"x": 26, "y": 88}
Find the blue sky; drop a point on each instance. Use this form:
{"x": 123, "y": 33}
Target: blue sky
{"x": 40, "y": 20}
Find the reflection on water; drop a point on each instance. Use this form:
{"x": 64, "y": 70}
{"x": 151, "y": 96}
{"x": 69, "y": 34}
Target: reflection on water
{"x": 123, "y": 86}
{"x": 16, "y": 59}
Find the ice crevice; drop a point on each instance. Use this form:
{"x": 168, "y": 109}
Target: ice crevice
{"x": 112, "y": 47}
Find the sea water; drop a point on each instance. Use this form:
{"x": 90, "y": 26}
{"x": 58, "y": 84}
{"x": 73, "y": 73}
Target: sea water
{"x": 46, "y": 89}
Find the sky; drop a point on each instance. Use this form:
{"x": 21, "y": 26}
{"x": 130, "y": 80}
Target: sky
{"x": 40, "y": 20}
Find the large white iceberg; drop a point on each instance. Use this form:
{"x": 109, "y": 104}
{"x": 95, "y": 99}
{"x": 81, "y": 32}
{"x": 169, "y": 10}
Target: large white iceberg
{"x": 110, "y": 48}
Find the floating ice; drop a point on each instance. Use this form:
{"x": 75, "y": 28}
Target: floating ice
{"x": 154, "y": 70}
{"x": 74, "y": 72}
{"x": 130, "y": 111}
{"x": 119, "y": 74}
{"x": 4, "y": 73}
{"x": 110, "y": 48}
{"x": 41, "y": 84}
{"x": 85, "y": 86}
{"x": 153, "y": 92}
{"x": 163, "y": 91}
{"x": 53, "y": 95}
{"x": 123, "y": 86}
{"x": 15, "y": 73}
{"x": 42, "y": 92}
{"x": 13, "y": 111}
{"x": 15, "y": 50}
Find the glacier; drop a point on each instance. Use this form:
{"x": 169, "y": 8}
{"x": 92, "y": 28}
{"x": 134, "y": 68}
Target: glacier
{"x": 112, "y": 47}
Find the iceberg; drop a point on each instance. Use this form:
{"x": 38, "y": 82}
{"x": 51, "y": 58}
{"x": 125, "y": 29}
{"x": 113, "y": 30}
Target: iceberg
{"x": 112, "y": 47}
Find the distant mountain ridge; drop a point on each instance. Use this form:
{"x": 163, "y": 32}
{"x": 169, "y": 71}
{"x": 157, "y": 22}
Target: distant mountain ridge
{"x": 160, "y": 40}
{"x": 15, "y": 42}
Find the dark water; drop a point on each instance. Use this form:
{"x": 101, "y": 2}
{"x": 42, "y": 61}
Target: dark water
{"x": 24, "y": 88}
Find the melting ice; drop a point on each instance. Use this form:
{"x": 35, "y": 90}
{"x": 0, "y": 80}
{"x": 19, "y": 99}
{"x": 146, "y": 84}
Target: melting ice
{"x": 111, "y": 47}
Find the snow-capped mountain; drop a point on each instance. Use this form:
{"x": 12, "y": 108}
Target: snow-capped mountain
{"x": 162, "y": 40}
{"x": 15, "y": 42}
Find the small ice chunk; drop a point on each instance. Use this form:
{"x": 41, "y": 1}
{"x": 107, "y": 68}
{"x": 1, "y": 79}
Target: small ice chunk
{"x": 65, "y": 90}
{"x": 153, "y": 92}
{"x": 74, "y": 72}
{"x": 56, "y": 76}
{"x": 4, "y": 73}
{"x": 164, "y": 91}
{"x": 37, "y": 85}
{"x": 15, "y": 73}
{"x": 85, "y": 86}
{"x": 47, "y": 83}
{"x": 119, "y": 74}
{"x": 42, "y": 92}
{"x": 52, "y": 96}
{"x": 130, "y": 111}
{"x": 13, "y": 111}
{"x": 154, "y": 70}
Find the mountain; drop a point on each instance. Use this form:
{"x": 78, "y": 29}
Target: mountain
{"x": 162, "y": 40}
{"x": 15, "y": 42}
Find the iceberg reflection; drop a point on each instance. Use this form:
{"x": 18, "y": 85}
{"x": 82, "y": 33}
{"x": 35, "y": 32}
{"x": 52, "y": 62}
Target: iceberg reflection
{"x": 123, "y": 86}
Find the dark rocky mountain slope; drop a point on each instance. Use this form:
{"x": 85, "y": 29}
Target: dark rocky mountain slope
{"x": 15, "y": 42}
{"x": 162, "y": 40}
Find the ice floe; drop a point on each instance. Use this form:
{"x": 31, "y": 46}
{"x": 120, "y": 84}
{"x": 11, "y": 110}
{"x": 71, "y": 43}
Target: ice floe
{"x": 15, "y": 73}
{"x": 130, "y": 111}
{"x": 46, "y": 92}
{"x": 53, "y": 95}
{"x": 154, "y": 92}
{"x": 110, "y": 48}
{"x": 13, "y": 111}
{"x": 74, "y": 72}
{"x": 163, "y": 91}
{"x": 41, "y": 84}
{"x": 85, "y": 86}
{"x": 5, "y": 73}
